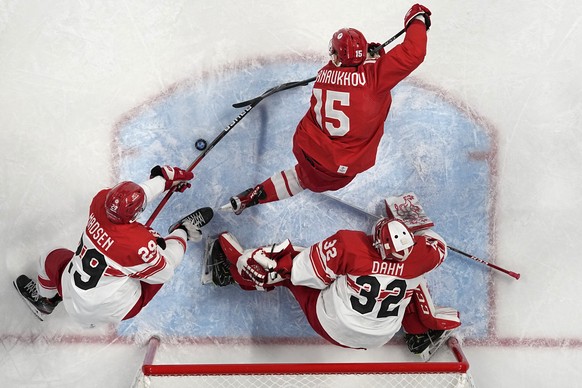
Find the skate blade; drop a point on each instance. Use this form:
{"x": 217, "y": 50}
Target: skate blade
{"x": 37, "y": 313}
{"x": 226, "y": 208}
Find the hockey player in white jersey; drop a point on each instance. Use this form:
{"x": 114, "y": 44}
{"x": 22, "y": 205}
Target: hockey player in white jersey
{"x": 356, "y": 290}
{"x": 119, "y": 263}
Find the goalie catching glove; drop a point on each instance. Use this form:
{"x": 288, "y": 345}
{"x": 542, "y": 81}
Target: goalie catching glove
{"x": 267, "y": 266}
{"x": 174, "y": 177}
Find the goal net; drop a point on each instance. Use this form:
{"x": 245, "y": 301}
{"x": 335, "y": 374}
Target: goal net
{"x": 448, "y": 371}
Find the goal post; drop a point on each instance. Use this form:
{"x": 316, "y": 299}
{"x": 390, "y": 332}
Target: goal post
{"x": 308, "y": 374}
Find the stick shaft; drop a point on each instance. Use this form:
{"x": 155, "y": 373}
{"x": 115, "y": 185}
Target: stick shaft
{"x": 488, "y": 264}
{"x": 198, "y": 160}
{"x": 248, "y": 107}
{"x": 481, "y": 261}
{"x": 376, "y": 50}
{"x": 250, "y": 104}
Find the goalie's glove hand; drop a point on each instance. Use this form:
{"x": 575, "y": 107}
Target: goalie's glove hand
{"x": 417, "y": 11}
{"x": 258, "y": 266}
{"x": 174, "y": 176}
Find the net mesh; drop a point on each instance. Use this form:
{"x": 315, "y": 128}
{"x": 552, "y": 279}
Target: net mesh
{"x": 306, "y": 375}
{"x": 403, "y": 380}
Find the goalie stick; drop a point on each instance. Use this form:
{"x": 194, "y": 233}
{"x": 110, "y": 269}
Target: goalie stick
{"x": 305, "y": 82}
{"x": 514, "y": 275}
{"x": 222, "y": 134}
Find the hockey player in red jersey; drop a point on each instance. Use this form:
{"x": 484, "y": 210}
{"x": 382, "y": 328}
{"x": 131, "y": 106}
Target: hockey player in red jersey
{"x": 339, "y": 135}
{"x": 356, "y": 290}
{"x": 119, "y": 264}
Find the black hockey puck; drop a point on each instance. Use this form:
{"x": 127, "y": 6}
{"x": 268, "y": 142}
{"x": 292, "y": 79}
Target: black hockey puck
{"x": 201, "y": 144}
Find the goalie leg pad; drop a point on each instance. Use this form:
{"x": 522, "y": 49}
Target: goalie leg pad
{"x": 427, "y": 344}
{"x": 230, "y": 246}
{"x": 217, "y": 268}
{"x": 421, "y": 314}
{"x": 233, "y": 251}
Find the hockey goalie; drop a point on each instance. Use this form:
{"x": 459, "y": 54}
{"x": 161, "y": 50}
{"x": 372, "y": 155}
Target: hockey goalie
{"x": 356, "y": 290}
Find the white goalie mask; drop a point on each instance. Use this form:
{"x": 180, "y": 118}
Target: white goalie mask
{"x": 392, "y": 239}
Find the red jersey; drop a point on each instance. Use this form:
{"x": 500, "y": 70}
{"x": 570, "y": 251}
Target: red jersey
{"x": 343, "y": 127}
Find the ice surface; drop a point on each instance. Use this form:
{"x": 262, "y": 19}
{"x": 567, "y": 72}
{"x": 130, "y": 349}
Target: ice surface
{"x": 485, "y": 132}
{"x": 428, "y": 140}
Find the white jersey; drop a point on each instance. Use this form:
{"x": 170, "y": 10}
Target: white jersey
{"x": 102, "y": 283}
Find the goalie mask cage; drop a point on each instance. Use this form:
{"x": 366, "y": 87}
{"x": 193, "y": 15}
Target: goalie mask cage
{"x": 312, "y": 375}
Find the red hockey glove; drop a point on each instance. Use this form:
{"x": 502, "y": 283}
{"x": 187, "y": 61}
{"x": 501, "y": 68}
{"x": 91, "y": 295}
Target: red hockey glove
{"x": 266, "y": 266}
{"x": 174, "y": 176}
{"x": 417, "y": 10}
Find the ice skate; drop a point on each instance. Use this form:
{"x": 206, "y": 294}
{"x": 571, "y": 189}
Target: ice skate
{"x": 40, "y": 306}
{"x": 427, "y": 344}
{"x": 216, "y": 268}
{"x": 197, "y": 219}
{"x": 247, "y": 198}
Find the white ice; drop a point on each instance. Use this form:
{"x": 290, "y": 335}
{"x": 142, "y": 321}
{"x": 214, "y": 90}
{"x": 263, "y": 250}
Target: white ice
{"x": 74, "y": 73}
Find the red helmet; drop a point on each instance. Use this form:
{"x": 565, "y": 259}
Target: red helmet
{"x": 125, "y": 202}
{"x": 349, "y": 45}
{"x": 392, "y": 239}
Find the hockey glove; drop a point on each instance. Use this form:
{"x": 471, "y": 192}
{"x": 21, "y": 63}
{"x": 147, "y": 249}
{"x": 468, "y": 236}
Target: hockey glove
{"x": 374, "y": 46}
{"x": 267, "y": 266}
{"x": 417, "y": 11}
{"x": 174, "y": 176}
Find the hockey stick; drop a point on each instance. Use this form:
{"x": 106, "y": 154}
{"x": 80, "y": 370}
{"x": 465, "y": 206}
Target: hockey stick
{"x": 230, "y": 126}
{"x": 488, "y": 264}
{"x": 250, "y": 104}
{"x": 377, "y": 49}
{"x": 285, "y": 86}
{"x": 304, "y": 82}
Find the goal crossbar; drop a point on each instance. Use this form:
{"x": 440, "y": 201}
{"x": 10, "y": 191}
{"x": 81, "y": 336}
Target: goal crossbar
{"x": 149, "y": 368}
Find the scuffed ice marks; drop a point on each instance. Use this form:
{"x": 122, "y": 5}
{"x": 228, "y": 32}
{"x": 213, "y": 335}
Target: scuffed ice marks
{"x": 425, "y": 149}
